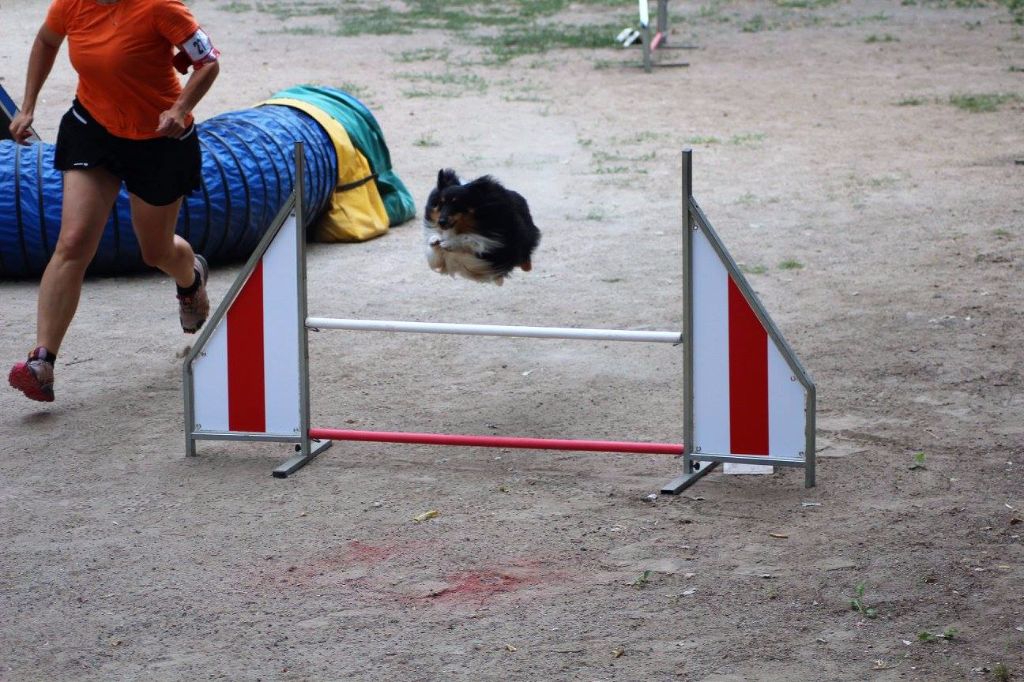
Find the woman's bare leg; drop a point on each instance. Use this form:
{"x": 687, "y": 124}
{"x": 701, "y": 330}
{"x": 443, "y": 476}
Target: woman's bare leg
{"x": 161, "y": 248}
{"x": 88, "y": 197}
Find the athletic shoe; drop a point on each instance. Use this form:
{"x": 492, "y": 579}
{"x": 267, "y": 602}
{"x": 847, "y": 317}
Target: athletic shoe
{"x": 194, "y": 308}
{"x": 34, "y": 377}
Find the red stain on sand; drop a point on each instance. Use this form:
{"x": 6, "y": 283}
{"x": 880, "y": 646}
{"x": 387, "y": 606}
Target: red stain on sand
{"x": 364, "y": 552}
{"x": 479, "y": 586}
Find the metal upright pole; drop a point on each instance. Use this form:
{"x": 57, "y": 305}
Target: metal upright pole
{"x": 306, "y": 452}
{"x": 663, "y": 20}
{"x": 688, "y": 226}
{"x": 690, "y": 473}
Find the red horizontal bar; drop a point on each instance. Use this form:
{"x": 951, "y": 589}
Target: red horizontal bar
{"x": 499, "y": 441}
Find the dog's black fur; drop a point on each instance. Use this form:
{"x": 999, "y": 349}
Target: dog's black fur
{"x": 479, "y": 230}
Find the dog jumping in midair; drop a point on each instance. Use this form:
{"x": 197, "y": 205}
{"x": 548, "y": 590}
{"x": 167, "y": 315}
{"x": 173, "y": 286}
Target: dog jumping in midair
{"x": 479, "y": 230}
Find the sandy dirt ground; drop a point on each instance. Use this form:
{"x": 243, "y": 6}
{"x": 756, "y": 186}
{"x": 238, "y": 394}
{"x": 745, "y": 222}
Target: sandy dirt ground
{"x": 828, "y": 138}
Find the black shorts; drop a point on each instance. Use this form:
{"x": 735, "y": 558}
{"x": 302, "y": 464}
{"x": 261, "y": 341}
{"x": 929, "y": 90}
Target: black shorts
{"x": 158, "y": 171}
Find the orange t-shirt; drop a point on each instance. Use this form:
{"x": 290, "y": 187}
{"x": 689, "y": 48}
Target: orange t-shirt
{"x": 122, "y": 53}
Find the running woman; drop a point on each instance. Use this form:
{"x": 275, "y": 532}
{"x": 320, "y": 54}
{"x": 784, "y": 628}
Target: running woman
{"x": 131, "y": 123}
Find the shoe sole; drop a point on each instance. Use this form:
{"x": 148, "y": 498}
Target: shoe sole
{"x": 22, "y": 378}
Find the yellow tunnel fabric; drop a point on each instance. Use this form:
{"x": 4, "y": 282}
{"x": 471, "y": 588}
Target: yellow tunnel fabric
{"x": 357, "y": 212}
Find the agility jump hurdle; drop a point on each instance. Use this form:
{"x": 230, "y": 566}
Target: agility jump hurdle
{"x": 747, "y": 399}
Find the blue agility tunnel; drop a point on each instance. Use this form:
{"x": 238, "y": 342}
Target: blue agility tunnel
{"x": 248, "y": 173}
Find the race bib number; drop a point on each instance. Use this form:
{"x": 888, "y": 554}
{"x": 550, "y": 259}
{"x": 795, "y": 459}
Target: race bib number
{"x": 200, "y": 49}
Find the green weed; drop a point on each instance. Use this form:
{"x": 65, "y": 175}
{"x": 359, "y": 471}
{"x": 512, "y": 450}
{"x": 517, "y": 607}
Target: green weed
{"x": 982, "y": 103}
{"x": 790, "y": 264}
{"x": 703, "y": 139}
{"x": 857, "y": 603}
{"x": 804, "y": 4}
{"x": 947, "y": 634}
{"x": 643, "y": 580}
{"x": 747, "y": 138}
{"x": 423, "y": 54}
{"x": 426, "y": 140}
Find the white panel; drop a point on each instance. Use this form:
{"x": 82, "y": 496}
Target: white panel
{"x": 281, "y": 332}
{"x": 710, "y": 349}
{"x": 645, "y": 17}
{"x": 787, "y": 416}
{"x": 739, "y": 468}
{"x": 210, "y": 382}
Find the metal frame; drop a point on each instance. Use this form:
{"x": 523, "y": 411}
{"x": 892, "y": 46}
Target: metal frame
{"x": 693, "y": 220}
{"x": 695, "y": 464}
{"x": 294, "y": 203}
{"x": 662, "y": 31}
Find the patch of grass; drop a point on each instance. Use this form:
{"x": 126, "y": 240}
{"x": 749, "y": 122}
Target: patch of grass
{"x": 638, "y": 138}
{"x": 237, "y": 7}
{"x": 1016, "y": 8}
{"x": 614, "y": 170}
{"x": 304, "y": 31}
{"x": 423, "y": 54}
{"x": 602, "y": 157}
{"x": 918, "y": 462}
{"x": 871, "y": 39}
{"x": 982, "y": 103}
{"x": 911, "y": 102}
{"x": 1001, "y": 233}
{"x": 857, "y": 602}
{"x": 746, "y": 199}
{"x": 791, "y": 264}
{"x": 539, "y": 38}
{"x": 753, "y": 269}
{"x": 448, "y": 84}
{"x": 702, "y": 139}
{"x": 804, "y": 4}
{"x": 595, "y": 214}
{"x": 747, "y": 138}
{"x": 524, "y": 97}
{"x": 1001, "y": 672}
{"x": 426, "y": 140}
{"x": 754, "y": 24}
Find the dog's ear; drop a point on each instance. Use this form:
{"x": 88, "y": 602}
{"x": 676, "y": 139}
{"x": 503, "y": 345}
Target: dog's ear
{"x": 446, "y": 177}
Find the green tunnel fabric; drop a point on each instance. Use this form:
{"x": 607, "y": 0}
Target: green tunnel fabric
{"x": 367, "y": 137}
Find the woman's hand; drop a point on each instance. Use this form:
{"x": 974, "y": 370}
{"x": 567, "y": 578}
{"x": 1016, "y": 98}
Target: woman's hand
{"x": 172, "y": 124}
{"x": 21, "y": 127}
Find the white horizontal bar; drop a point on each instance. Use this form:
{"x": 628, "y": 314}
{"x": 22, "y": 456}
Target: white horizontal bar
{"x": 494, "y": 330}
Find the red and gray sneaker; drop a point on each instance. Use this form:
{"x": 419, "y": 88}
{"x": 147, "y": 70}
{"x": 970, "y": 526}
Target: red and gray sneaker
{"x": 34, "y": 377}
{"x": 193, "y": 303}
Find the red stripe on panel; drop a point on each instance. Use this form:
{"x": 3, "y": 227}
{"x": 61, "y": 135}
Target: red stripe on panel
{"x": 246, "y": 384}
{"x": 748, "y": 377}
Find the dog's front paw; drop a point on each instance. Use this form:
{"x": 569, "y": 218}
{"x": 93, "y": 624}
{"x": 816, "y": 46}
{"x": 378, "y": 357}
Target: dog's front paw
{"x": 434, "y": 242}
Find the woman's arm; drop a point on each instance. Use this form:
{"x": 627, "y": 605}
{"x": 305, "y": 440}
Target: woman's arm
{"x": 40, "y": 62}
{"x": 172, "y": 121}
